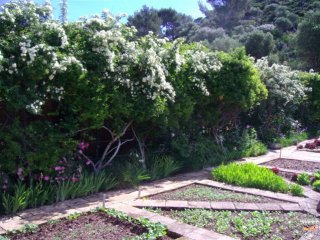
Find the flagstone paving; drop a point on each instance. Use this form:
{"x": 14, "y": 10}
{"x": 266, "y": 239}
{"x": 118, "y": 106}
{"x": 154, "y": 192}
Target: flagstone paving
{"x": 131, "y": 201}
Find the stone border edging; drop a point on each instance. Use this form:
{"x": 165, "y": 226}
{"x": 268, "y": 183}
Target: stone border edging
{"x": 231, "y": 206}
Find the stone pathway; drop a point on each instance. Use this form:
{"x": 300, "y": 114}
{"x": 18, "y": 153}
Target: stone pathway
{"x": 131, "y": 201}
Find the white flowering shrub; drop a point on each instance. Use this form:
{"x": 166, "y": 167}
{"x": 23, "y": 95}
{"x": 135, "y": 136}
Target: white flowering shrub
{"x": 58, "y": 80}
{"x": 286, "y": 93}
{"x": 284, "y": 84}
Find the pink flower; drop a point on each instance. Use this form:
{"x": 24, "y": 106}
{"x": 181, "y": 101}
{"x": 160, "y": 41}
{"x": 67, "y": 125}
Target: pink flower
{"x": 74, "y": 179}
{"x": 88, "y": 162}
{"x": 59, "y": 168}
{"x": 46, "y": 178}
{"x": 83, "y": 145}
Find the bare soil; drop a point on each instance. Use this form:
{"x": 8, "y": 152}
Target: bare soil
{"x": 97, "y": 226}
{"x": 294, "y": 164}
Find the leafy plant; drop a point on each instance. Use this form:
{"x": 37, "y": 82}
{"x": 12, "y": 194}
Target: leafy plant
{"x": 87, "y": 184}
{"x": 154, "y": 230}
{"x": 74, "y": 216}
{"x": 303, "y": 179}
{"x": 250, "y": 175}
{"x": 40, "y": 194}
{"x": 29, "y": 228}
{"x": 291, "y": 139}
{"x": 316, "y": 185}
{"x": 317, "y": 175}
{"x": 250, "y": 146}
{"x": 16, "y": 202}
{"x": 259, "y": 224}
{"x": 296, "y": 190}
{"x": 132, "y": 174}
{"x": 162, "y": 167}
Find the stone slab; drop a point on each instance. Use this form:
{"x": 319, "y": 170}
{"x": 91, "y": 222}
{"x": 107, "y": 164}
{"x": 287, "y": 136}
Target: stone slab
{"x": 246, "y": 206}
{"x": 222, "y": 206}
{"x": 199, "y": 204}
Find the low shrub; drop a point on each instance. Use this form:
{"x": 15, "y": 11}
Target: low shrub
{"x": 296, "y": 190}
{"x": 316, "y": 185}
{"x": 303, "y": 179}
{"x": 316, "y": 175}
{"x": 250, "y": 175}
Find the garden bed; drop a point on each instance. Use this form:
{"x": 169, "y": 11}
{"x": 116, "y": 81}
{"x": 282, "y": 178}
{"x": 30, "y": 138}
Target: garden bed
{"x": 247, "y": 225}
{"x": 96, "y": 225}
{"x": 198, "y": 192}
{"x": 299, "y": 165}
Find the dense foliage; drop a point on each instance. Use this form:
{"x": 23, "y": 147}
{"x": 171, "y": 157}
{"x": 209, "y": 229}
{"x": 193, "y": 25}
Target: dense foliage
{"x": 83, "y": 100}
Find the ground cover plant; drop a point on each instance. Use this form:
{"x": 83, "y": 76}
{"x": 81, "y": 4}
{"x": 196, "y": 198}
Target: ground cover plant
{"x": 198, "y": 192}
{"x": 247, "y": 225}
{"x": 101, "y": 224}
{"x": 250, "y": 175}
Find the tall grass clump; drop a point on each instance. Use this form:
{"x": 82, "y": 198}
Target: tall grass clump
{"x": 163, "y": 166}
{"x": 250, "y": 175}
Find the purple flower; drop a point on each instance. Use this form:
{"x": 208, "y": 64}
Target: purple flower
{"x": 46, "y": 178}
{"x": 19, "y": 172}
